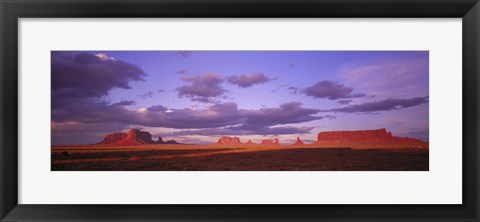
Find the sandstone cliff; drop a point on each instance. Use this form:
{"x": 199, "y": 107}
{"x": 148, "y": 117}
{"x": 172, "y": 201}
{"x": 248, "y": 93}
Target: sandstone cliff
{"x": 229, "y": 140}
{"x": 270, "y": 142}
{"x": 132, "y": 138}
{"x": 362, "y": 136}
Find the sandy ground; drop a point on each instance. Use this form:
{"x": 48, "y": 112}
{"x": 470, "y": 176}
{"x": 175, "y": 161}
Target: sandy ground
{"x": 312, "y": 157}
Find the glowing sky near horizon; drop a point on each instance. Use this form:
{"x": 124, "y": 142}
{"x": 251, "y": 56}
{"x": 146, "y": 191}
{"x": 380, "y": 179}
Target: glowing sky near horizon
{"x": 198, "y": 96}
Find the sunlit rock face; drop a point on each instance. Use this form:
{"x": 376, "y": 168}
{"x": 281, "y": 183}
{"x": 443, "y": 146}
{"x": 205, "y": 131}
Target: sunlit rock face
{"x": 379, "y": 135}
{"x": 133, "y": 137}
{"x": 229, "y": 140}
{"x": 270, "y": 142}
{"x": 113, "y": 138}
{"x": 142, "y": 137}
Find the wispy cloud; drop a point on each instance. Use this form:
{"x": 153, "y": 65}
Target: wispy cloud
{"x": 124, "y": 103}
{"x": 382, "y": 105}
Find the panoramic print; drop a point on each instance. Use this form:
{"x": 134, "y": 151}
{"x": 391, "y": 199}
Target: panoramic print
{"x": 239, "y": 110}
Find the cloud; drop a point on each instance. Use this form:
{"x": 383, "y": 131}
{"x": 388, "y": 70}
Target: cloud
{"x": 291, "y": 65}
{"x": 331, "y": 90}
{"x": 293, "y": 90}
{"x": 286, "y": 113}
{"x": 264, "y": 121}
{"x": 124, "y": 103}
{"x": 182, "y": 72}
{"x": 86, "y": 76}
{"x": 202, "y": 87}
{"x": 157, "y": 108}
{"x": 161, "y": 90}
{"x": 344, "y": 101}
{"x": 246, "y": 81}
{"x": 146, "y": 95}
{"x": 225, "y": 115}
{"x": 80, "y": 81}
{"x": 382, "y": 105}
{"x": 184, "y": 54}
{"x": 103, "y": 56}
{"x": 228, "y": 115}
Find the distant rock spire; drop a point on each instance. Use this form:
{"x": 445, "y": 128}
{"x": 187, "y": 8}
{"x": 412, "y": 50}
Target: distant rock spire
{"x": 299, "y": 141}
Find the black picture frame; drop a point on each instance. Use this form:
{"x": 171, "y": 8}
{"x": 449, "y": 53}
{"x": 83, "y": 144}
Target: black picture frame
{"x": 11, "y": 11}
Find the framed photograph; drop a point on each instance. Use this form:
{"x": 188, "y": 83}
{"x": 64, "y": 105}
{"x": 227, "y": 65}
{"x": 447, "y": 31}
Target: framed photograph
{"x": 225, "y": 110}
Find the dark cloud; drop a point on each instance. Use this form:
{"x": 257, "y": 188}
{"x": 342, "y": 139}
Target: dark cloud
{"x": 326, "y": 89}
{"x": 84, "y": 75}
{"x": 265, "y": 121}
{"x": 184, "y": 54}
{"x": 245, "y": 81}
{"x": 225, "y": 115}
{"x": 157, "y": 108}
{"x": 202, "y": 87}
{"x": 80, "y": 81}
{"x": 344, "y": 101}
{"x": 382, "y": 105}
{"x": 286, "y": 113}
{"x": 161, "y": 90}
{"x": 124, "y": 103}
{"x": 91, "y": 111}
{"x": 146, "y": 95}
{"x": 291, "y": 65}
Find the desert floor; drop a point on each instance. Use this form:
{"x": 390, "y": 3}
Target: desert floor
{"x": 239, "y": 158}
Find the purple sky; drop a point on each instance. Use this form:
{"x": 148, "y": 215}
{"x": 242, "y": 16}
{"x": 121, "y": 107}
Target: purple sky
{"x": 198, "y": 96}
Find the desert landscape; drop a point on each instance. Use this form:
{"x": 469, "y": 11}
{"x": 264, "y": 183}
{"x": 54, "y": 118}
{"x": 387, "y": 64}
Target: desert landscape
{"x": 366, "y": 150}
{"x": 239, "y": 110}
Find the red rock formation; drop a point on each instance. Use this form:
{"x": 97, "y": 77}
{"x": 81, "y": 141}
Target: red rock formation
{"x": 133, "y": 137}
{"x": 229, "y": 140}
{"x": 113, "y": 138}
{"x": 270, "y": 142}
{"x": 172, "y": 142}
{"x": 143, "y": 137}
{"x": 276, "y": 142}
{"x": 160, "y": 140}
{"x": 266, "y": 142}
{"x": 250, "y": 142}
{"x": 379, "y": 135}
{"x": 299, "y": 141}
